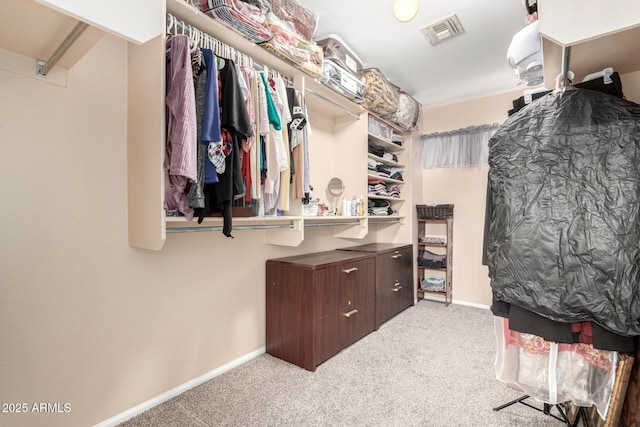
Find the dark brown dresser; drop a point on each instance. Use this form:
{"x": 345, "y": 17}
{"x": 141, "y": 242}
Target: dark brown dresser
{"x": 394, "y": 278}
{"x": 318, "y": 304}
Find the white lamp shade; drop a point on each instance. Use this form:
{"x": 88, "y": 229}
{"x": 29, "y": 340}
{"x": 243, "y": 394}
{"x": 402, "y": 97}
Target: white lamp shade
{"x": 405, "y": 10}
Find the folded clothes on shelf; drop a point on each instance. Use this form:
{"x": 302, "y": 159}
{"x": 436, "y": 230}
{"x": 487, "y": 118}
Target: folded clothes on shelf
{"x": 432, "y": 284}
{"x": 429, "y": 259}
{"x": 433, "y": 239}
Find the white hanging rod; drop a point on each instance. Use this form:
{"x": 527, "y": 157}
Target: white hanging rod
{"x": 324, "y": 98}
{"x": 45, "y": 66}
{"x": 219, "y": 228}
{"x": 562, "y": 81}
{"x": 384, "y": 220}
{"x": 329, "y": 223}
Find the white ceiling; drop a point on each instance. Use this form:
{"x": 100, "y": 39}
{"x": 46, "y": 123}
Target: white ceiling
{"x": 468, "y": 66}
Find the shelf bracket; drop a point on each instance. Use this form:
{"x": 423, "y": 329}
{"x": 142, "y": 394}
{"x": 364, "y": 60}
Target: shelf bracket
{"x": 43, "y": 67}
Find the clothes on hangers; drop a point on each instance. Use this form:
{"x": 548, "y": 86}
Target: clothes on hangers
{"x": 239, "y": 144}
{"x": 285, "y": 168}
{"x": 211, "y": 130}
{"x": 235, "y": 126}
{"x": 196, "y": 192}
{"x": 295, "y": 131}
{"x": 180, "y": 157}
{"x": 273, "y": 145}
{"x": 256, "y": 146}
{"x": 247, "y": 143}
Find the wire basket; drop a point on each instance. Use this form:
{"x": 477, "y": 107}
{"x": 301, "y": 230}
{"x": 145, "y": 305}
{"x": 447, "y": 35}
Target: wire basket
{"x": 434, "y": 211}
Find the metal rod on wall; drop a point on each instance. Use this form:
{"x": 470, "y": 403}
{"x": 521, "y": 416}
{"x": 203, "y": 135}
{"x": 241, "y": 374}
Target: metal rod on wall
{"x": 563, "y": 78}
{"x": 219, "y": 228}
{"x": 327, "y": 224}
{"x": 45, "y": 66}
{"x": 324, "y": 98}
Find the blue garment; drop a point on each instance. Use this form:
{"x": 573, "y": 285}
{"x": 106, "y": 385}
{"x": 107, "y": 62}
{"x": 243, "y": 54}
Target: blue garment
{"x": 211, "y": 119}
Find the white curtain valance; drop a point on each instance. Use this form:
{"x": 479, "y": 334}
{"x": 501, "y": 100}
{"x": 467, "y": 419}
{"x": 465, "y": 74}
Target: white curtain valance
{"x": 461, "y": 148}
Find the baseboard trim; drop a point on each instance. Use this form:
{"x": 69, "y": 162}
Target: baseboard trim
{"x": 430, "y": 297}
{"x": 471, "y": 304}
{"x": 144, "y": 406}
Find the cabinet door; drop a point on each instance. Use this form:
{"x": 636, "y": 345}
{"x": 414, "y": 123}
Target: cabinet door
{"x": 330, "y": 293}
{"x": 362, "y": 281}
{"x": 342, "y": 328}
{"x": 405, "y": 265}
{"x": 395, "y": 287}
{"x": 342, "y": 284}
{"x": 289, "y": 314}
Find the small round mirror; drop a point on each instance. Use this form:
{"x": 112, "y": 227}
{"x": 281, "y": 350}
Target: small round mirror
{"x": 335, "y": 186}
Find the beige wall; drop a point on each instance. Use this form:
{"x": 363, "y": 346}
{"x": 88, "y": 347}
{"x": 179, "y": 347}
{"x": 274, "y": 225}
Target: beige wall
{"x": 466, "y": 187}
{"x": 631, "y": 86}
{"x": 86, "y": 320}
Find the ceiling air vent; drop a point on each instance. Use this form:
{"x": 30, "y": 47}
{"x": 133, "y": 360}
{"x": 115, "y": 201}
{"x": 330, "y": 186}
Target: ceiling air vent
{"x": 443, "y": 30}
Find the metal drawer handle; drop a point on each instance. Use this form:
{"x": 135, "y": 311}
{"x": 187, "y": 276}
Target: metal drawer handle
{"x": 397, "y": 289}
{"x": 350, "y": 270}
{"x": 396, "y": 256}
{"x": 351, "y": 313}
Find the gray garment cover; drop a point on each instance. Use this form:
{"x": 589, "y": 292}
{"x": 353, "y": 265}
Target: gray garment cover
{"x": 563, "y": 205}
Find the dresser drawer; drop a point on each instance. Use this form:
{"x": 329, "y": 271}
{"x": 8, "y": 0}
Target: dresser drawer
{"x": 342, "y": 285}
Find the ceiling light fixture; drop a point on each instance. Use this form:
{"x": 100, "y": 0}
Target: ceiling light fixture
{"x": 405, "y": 10}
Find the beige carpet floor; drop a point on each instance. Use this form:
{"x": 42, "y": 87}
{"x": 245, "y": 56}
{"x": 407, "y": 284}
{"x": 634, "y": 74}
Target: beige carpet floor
{"x": 430, "y": 366}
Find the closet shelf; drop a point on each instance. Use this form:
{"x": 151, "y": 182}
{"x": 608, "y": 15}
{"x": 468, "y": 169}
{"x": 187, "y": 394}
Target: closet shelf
{"x": 384, "y": 178}
{"x": 148, "y": 225}
{"x": 179, "y": 224}
{"x": 421, "y": 267}
{"x": 393, "y": 199}
{"x": 422, "y": 291}
{"x": 191, "y": 15}
{"x": 389, "y": 219}
{"x": 385, "y": 143}
{"x": 322, "y": 98}
{"x": 385, "y": 161}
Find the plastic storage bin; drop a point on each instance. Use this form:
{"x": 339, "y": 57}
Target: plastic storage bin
{"x": 335, "y": 49}
{"x": 245, "y": 18}
{"x": 381, "y": 97}
{"x": 342, "y": 81}
{"x": 407, "y": 114}
{"x": 303, "y": 20}
{"x": 379, "y": 128}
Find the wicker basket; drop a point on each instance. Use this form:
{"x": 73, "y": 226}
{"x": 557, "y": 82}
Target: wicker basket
{"x": 434, "y": 211}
